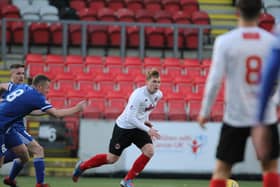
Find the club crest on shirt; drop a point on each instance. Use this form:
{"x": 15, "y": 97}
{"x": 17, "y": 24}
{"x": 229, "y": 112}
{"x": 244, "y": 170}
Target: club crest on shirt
{"x": 156, "y": 98}
{"x": 117, "y": 146}
{"x": 150, "y": 107}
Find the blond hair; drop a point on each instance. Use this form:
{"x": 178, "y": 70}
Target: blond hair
{"x": 152, "y": 73}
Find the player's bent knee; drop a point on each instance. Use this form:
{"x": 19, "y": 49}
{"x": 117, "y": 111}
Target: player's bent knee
{"x": 38, "y": 151}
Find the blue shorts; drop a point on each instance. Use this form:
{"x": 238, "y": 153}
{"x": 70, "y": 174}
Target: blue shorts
{"x": 25, "y": 137}
{"x": 12, "y": 139}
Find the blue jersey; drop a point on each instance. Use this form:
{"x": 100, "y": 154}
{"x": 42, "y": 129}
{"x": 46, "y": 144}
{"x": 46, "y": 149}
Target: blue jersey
{"x": 21, "y": 101}
{"x": 269, "y": 79}
{"x": 11, "y": 87}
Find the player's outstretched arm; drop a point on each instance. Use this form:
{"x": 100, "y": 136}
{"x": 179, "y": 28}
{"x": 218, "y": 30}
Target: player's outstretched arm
{"x": 67, "y": 111}
{"x": 37, "y": 113}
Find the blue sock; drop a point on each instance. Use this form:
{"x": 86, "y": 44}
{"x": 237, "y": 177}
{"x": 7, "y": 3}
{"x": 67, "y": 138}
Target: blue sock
{"x": 17, "y": 166}
{"x": 39, "y": 165}
{"x": 9, "y": 156}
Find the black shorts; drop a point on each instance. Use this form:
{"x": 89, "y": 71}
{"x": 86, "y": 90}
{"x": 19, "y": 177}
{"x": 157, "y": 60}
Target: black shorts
{"x": 232, "y": 143}
{"x": 122, "y": 138}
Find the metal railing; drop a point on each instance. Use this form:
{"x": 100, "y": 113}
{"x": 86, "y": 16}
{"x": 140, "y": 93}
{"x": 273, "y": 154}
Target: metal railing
{"x": 122, "y": 25}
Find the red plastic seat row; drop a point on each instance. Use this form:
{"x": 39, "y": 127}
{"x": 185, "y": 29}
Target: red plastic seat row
{"x": 93, "y": 65}
{"x": 134, "y": 5}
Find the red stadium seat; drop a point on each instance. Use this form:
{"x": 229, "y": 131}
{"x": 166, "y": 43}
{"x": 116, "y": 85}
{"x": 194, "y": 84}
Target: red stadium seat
{"x": 114, "y": 33}
{"x": 115, "y": 105}
{"x": 181, "y": 17}
{"x": 169, "y": 35}
{"x": 159, "y": 112}
{"x": 191, "y": 67}
{"x": 125, "y": 15}
{"x": 199, "y": 84}
{"x": 75, "y": 36}
{"x": 206, "y": 63}
{"x": 217, "y": 111}
{"x": 166, "y": 84}
{"x": 172, "y": 66}
{"x": 201, "y": 18}
{"x": 153, "y": 5}
{"x": 152, "y": 62}
{"x": 56, "y": 33}
{"x": 10, "y": 11}
{"x": 94, "y": 64}
{"x": 8, "y": 32}
{"x": 171, "y": 6}
{"x": 133, "y": 65}
{"x": 158, "y": 36}
{"x": 17, "y": 30}
{"x": 87, "y": 14}
{"x": 65, "y": 82}
{"x": 96, "y": 105}
{"x": 155, "y": 37}
{"x": 189, "y": 6}
{"x": 57, "y": 99}
{"x": 193, "y": 106}
{"x": 125, "y": 82}
{"x": 97, "y": 4}
{"x": 162, "y": 16}
{"x": 140, "y": 80}
{"x": 183, "y": 84}
{"x": 35, "y": 64}
{"x": 55, "y": 63}
{"x": 176, "y": 107}
{"x": 98, "y": 35}
{"x": 145, "y": 16}
{"x": 40, "y": 33}
{"x": 134, "y": 5}
{"x": 191, "y": 39}
{"x": 106, "y": 14}
{"x": 4, "y": 3}
{"x": 34, "y": 58}
{"x": 105, "y": 82}
{"x": 115, "y": 4}
{"x": 78, "y": 5}
{"x": 266, "y": 21}
{"x": 113, "y": 64}
{"x": 74, "y": 64}
{"x": 133, "y": 36}
{"x": 75, "y": 96}
{"x": 85, "y": 82}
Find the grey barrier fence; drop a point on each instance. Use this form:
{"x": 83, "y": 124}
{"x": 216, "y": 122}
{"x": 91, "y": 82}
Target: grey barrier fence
{"x": 123, "y": 25}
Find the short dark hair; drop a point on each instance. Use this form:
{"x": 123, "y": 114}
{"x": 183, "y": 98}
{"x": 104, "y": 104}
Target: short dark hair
{"x": 152, "y": 73}
{"x": 39, "y": 79}
{"x": 249, "y": 9}
{"x": 16, "y": 66}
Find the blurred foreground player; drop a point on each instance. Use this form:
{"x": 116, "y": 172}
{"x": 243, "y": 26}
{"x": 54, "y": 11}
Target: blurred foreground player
{"x": 238, "y": 57}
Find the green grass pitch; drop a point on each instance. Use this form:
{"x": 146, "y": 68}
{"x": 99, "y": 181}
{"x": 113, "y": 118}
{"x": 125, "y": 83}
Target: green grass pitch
{"x": 114, "y": 182}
